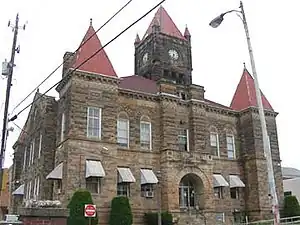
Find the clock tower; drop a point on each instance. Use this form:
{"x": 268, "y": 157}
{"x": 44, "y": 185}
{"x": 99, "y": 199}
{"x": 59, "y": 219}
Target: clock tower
{"x": 164, "y": 52}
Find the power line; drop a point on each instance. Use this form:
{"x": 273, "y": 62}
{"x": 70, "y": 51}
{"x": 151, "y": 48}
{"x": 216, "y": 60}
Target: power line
{"x": 124, "y": 6}
{"x": 100, "y": 49}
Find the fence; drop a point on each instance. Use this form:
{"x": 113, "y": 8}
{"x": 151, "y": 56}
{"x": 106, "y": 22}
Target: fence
{"x": 283, "y": 221}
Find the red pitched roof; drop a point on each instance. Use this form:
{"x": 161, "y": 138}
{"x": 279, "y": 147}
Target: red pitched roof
{"x": 100, "y": 63}
{"x": 138, "y": 83}
{"x": 245, "y": 96}
{"x": 167, "y": 26}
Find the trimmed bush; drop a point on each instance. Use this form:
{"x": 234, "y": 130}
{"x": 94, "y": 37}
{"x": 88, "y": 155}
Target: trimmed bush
{"x": 291, "y": 206}
{"x": 76, "y": 206}
{"x": 120, "y": 213}
{"x": 151, "y": 218}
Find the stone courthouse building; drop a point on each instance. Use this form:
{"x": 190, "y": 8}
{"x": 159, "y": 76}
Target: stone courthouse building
{"x": 152, "y": 136}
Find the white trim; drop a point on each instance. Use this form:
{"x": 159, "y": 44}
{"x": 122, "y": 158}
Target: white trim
{"x": 62, "y": 127}
{"x": 167, "y": 94}
{"x": 150, "y": 132}
{"x": 187, "y": 140}
{"x": 217, "y": 140}
{"x": 40, "y": 145}
{"x": 24, "y": 158}
{"x": 38, "y": 186}
{"x": 233, "y": 144}
{"x": 100, "y": 121}
{"x": 128, "y": 131}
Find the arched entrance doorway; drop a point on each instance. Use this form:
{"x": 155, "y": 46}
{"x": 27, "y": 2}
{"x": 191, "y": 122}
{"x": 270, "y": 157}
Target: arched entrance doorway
{"x": 191, "y": 192}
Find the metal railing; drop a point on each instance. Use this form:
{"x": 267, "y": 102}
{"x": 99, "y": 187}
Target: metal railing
{"x": 283, "y": 221}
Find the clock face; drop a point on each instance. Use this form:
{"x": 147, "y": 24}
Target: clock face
{"x": 145, "y": 58}
{"x": 173, "y": 54}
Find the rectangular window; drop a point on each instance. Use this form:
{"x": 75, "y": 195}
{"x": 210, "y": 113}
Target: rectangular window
{"x": 24, "y": 159}
{"x": 94, "y": 122}
{"x": 214, "y": 142}
{"x": 145, "y": 135}
{"x": 62, "y": 130}
{"x": 230, "y": 147}
{"x": 123, "y": 132}
{"x": 147, "y": 190}
{"x": 220, "y": 218}
{"x": 93, "y": 184}
{"x": 34, "y": 188}
{"x": 123, "y": 189}
{"x": 218, "y": 192}
{"x": 37, "y": 187}
{"x": 59, "y": 186}
{"x": 183, "y": 140}
{"x": 234, "y": 193}
{"x": 32, "y": 146}
{"x": 40, "y": 145}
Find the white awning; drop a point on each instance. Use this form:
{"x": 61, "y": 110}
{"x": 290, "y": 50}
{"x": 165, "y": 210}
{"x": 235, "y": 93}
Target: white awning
{"x": 94, "y": 169}
{"x": 56, "y": 174}
{"x": 125, "y": 175}
{"x": 219, "y": 181}
{"x": 19, "y": 190}
{"x": 235, "y": 181}
{"x": 148, "y": 177}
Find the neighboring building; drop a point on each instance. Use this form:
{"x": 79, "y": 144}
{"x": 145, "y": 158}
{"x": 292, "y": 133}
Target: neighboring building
{"x": 289, "y": 173}
{"x": 120, "y": 136}
{"x": 291, "y": 181}
{"x": 4, "y": 195}
{"x": 34, "y": 153}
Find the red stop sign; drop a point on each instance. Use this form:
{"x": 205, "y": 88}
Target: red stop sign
{"x": 90, "y": 210}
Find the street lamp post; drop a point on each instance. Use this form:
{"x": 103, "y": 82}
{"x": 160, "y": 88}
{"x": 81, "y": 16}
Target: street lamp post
{"x": 266, "y": 144}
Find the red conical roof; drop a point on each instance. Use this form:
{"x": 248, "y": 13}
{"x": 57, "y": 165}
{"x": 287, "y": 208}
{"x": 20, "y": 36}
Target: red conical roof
{"x": 167, "y": 26}
{"x": 100, "y": 63}
{"x": 245, "y": 95}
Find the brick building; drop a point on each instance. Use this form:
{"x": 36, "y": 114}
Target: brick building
{"x": 152, "y": 136}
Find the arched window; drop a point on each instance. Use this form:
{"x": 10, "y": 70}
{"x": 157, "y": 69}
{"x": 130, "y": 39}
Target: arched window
{"x": 123, "y": 130}
{"x": 186, "y": 194}
{"x": 191, "y": 192}
{"x": 214, "y": 141}
{"x": 145, "y": 133}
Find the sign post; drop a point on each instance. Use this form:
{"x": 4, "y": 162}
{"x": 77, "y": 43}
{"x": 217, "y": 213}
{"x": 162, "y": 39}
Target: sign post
{"x": 90, "y": 211}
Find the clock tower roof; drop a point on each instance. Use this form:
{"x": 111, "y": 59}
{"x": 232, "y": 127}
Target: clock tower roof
{"x": 166, "y": 24}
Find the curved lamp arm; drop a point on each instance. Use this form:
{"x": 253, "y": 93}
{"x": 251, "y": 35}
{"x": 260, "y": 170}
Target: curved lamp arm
{"x": 219, "y": 19}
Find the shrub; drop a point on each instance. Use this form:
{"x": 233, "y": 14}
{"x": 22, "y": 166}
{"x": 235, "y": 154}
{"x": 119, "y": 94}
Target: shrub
{"x": 76, "y": 207}
{"x": 151, "y": 218}
{"x": 120, "y": 213}
{"x": 291, "y": 206}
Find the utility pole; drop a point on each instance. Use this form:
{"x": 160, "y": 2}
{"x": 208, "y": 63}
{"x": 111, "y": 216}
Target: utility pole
{"x": 7, "y": 70}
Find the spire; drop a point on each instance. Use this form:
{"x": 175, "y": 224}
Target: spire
{"x": 245, "y": 95}
{"x": 167, "y": 26}
{"x": 137, "y": 39}
{"x": 187, "y": 33}
{"x": 100, "y": 63}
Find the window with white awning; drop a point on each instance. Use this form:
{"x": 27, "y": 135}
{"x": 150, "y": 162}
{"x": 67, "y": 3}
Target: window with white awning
{"x": 19, "y": 190}
{"x": 56, "y": 174}
{"x": 94, "y": 171}
{"x": 125, "y": 177}
{"x": 235, "y": 182}
{"x": 94, "y": 168}
{"x": 148, "y": 178}
{"x": 235, "y": 185}
{"x": 219, "y": 183}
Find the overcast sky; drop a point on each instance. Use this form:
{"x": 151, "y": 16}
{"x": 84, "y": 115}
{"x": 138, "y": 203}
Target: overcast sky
{"x": 55, "y": 27}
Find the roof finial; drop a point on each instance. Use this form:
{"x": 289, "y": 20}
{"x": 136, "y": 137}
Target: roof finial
{"x": 244, "y": 65}
{"x": 91, "y": 22}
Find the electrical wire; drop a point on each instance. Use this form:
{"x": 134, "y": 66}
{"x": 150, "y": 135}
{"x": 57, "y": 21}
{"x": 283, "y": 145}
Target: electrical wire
{"x": 85, "y": 61}
{"x": 82, "y": 44}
